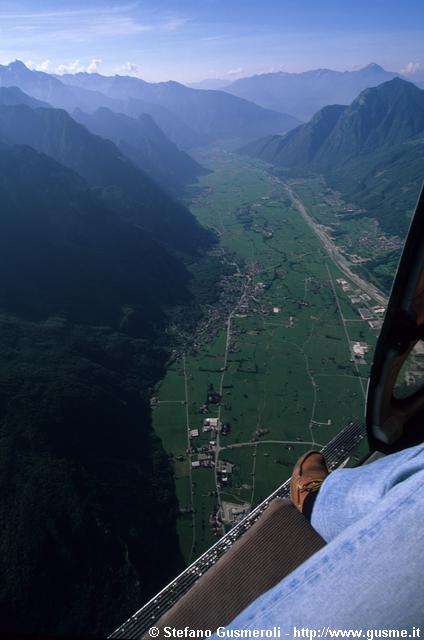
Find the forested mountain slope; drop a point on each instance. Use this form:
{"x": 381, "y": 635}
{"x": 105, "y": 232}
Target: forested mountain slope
{"x": 88, "y": 510}
{"x": 122, "y": 185}
{"x": 372, "y": 150}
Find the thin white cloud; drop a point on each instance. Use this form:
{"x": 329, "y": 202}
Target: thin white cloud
{"x": 235, "y": 72}
{"x": 40, "y": 66}
{"x": 94, "y": 65}
{"x": 70, "y": 67}
{"x": 103, "y": 27}
{"x": 172, "y": 24}
{"x": 68, "y": 13}
{"x": 217, "y": 38}
{"x": 82, "y": 25}
{"x": 273, "y": 69}
{"x": 75, "y": 66}
{"x": 117, "y": 26}
{"x": 127, "y": 67}
{"x": 412, "y": 68}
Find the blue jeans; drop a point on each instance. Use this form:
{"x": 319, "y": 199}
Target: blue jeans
{"x": 370, "y": 575}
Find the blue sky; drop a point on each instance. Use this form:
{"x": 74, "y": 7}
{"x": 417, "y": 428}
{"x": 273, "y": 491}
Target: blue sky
{"x": 188, "y": 40}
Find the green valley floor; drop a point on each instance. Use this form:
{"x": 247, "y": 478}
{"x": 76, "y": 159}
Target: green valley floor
{"x": 282, "y": 368}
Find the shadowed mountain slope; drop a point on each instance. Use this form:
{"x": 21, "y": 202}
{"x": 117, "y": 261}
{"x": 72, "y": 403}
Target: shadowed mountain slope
{"x": 88, "y": 510}
{"x": 299, "y": 146}
{"x": 13, "y": 96}
{"x": 143, "y": 142}
{"x": 103, "y": 165}
{"x": 55, "y": 219}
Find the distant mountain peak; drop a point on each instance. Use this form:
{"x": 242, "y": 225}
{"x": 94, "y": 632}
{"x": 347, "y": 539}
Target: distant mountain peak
{"x": 374, "y": 67}
{"x": 18, "y": 65}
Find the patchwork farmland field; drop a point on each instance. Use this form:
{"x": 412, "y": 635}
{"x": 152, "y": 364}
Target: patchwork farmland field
{"x": 279, "y": 373}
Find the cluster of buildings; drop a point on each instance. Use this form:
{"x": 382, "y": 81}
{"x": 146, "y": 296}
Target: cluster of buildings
{"x": 231, "y": 287}
{"x": 359, "y": 298}
{"x": 372, "y": 315}
{"x": 224, "y": 471}
{"x": 359, "y": 349}
{"x": 345, "y": 286}
{"x": 205, "y": 460}
{"x": 367, "y": 313}
{"x": 368, "y": 240}
{"x": 206, "y": 453}
{"x": 231, "y": 513}
{"x": 211, "y": 424}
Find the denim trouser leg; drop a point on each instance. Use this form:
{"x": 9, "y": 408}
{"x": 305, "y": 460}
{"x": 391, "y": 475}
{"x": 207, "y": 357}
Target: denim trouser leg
{"x": 347, "y": 495}
{"x": 371, "y": 574}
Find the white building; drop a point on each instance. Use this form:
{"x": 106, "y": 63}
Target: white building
{"x": 359, "y": 349}
{"x": 379, "y": 311}
{"x": 211, "y": 423}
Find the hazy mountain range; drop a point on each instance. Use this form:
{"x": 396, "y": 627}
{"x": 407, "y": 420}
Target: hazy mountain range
{"x": 213, "y": 115}
{"x": 210, "y": 83}
{"x": 207, "y": 116}
{"x": 302, "y": 94}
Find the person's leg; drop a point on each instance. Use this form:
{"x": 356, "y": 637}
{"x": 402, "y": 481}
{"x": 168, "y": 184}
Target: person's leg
{"x": 347, "y": 495}
{"x": 370, "y": 575}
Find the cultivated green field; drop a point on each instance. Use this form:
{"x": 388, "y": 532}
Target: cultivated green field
{"x": 355, "y": 233}
{"x": 289, "y": 369}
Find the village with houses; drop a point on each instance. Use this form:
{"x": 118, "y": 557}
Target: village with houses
{"x": 369, "y": 312}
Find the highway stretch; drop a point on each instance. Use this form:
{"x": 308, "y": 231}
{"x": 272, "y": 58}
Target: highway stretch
{"x": 336, "y": 256}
